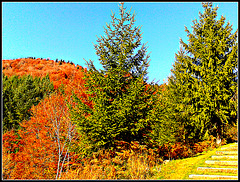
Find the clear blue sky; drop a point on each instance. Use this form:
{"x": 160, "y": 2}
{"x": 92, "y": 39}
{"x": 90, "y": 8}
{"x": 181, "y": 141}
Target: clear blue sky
{"x": 68, "y": 30}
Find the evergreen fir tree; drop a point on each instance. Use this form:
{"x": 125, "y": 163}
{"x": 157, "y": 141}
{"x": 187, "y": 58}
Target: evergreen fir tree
{"x": 203, "y": 81}
{"x": 19, "y": 95}
{"x": 121, "y": 100}
{"x": 164, "y": 128}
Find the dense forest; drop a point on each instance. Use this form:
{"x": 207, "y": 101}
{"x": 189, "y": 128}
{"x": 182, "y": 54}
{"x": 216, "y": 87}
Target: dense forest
{"x": 63, "y": 121}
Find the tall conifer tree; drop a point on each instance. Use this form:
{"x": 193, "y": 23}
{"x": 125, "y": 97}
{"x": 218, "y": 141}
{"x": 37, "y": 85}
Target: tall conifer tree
{"x": 203, "y": 82}
{"x": 121, "y": 99}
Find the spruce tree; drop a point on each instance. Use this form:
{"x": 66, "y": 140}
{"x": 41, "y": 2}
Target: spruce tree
{"x": 19, "y": 95}
{"x": 120, "y": 98}
{"x": 164, "y": 128}
{"x": 203, "y": 82}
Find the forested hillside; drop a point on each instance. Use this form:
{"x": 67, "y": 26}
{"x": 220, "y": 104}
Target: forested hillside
{"x": 60, "y": 72}
{"x": 63, "y": 121}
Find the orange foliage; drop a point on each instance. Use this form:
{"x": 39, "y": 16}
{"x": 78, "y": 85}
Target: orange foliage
{"x": 42, "y": 149}
{"x": 65, "y": 73}
{"x": 181, "y": 150}
{"x": 129, "y": 161}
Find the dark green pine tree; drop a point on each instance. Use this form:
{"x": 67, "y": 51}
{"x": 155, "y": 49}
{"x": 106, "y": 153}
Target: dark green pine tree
{"x": 19, "y": 95}
{"x": 120, "y": 95}
{"x": 203, "y": 83}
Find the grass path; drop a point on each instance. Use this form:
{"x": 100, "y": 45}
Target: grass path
{"x": 182, "y": 168}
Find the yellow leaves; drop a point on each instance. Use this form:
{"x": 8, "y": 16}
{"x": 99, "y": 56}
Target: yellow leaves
{"x": 118, "y": 147}
{"x": 94, "y": 161}
{"x": 126, "y": 164}
{"x": 106, "y": 162}
{"x": 123, "y": 154}
{"x": 117, "y": 160}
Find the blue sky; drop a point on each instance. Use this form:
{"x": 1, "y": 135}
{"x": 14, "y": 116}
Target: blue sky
{"x": 68, "y": 30}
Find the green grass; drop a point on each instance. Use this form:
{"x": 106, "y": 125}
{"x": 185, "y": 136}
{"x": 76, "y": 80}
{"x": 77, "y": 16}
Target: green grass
{"x": 182, "y": 168}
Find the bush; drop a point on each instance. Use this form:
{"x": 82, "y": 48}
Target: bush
{"x": 181, "y": 150}
{"x": 127, "y": 161}
{"x": 232, "y": 133}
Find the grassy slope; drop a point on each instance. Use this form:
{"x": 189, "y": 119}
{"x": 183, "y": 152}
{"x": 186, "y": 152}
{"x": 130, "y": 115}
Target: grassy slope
{"x": 182, "y": 168}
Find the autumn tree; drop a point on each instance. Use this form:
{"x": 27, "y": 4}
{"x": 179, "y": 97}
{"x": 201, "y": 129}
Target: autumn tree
{"x": 203, "y": 81}
{"x": 120, "y": 95}
{"x": 41, "y": 148}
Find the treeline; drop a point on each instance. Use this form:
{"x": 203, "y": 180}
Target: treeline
{"x": 56, "y": 60}
{"x": 63, "y": 121}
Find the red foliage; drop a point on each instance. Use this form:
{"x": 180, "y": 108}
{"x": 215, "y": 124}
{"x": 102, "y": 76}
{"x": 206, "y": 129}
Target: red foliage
{"x": 59, "y": 74}
{"x": 40, "y": 149}
{"x": 182, "y": 150}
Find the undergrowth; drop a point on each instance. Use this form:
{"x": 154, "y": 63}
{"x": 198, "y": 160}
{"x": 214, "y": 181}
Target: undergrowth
{"x": 135, "y": 161}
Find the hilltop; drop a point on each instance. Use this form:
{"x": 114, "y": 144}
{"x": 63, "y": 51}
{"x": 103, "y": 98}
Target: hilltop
{"x": 60, "y": 72}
